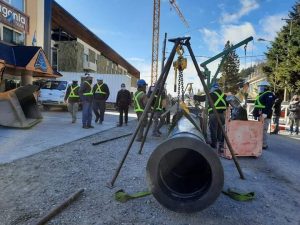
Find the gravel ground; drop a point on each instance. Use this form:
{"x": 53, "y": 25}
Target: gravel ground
{"x": 32, "y": 186}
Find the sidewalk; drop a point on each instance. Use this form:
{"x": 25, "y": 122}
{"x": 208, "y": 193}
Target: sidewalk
{"x": 54, "y": 130}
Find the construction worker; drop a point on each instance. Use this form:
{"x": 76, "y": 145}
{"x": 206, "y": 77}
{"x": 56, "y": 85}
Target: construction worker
{"x": 219, "y": 99}
{"x": 276, "y": 114}
{"x": 72, "y": 97}
{"x": 263, "y": 108}
{"x": 140, "y": 101}
{"x": 101, "y": 94}
{"x": 86, "y": 91}
{"x": 158, "y": 121}
{"x": 242, "y": 94}
{"x": 123, "y": 101}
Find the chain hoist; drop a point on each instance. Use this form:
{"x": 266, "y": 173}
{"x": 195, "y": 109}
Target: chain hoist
{"x": 180, "y": 64}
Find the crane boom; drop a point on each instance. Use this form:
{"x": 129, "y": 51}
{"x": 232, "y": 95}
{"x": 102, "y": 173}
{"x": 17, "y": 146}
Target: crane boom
{"x": 173, "y": 3}
{"x": 155, "y": 40}
{"x": 155, "y": 35}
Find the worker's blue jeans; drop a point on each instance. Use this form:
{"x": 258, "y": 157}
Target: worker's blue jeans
{"x": 99, "y": 109}
{"x": 215, "y": 130}
{"x": 276, "y": 122}
{"x": 87, "y": 113}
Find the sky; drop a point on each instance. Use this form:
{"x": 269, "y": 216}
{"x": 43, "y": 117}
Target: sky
{"x": 126, "y": 26}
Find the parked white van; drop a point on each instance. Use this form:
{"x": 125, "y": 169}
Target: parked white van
{"x": 52, "y": 93}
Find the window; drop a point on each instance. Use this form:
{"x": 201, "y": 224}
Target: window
{"x": 7, "y": 35}
{"x": 18, "y": 4}
{"x": 12, "y": 36}
{"x": 54, "y": 59}
{"x": 57, "y": 85}
{"x": 86, "y": 57}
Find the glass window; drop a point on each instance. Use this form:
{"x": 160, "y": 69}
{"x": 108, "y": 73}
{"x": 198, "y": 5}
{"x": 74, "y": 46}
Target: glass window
{"x": 18, "y": 38}
{"x": 86, "y": 57}
{"x": 12, "y": 36}
{"x": 57, "y": 85}
{"x": 18, "y": 4}
{"x": 54, "y": 59}
{"x": 7, "y": 35}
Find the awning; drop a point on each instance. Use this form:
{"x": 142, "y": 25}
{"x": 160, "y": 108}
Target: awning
{"x": 28, "y": 58}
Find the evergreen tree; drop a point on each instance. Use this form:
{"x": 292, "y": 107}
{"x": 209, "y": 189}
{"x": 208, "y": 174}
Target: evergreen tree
{"x": 230, "y": 71}
{"x": 283, "y": 57}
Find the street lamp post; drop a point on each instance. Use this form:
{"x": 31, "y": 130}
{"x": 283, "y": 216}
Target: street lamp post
{"x": 276, "y": 67}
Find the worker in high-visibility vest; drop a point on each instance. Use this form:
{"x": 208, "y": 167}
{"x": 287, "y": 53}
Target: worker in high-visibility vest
{"x": 72, "y": 98}
{"x": 219, "y": 99}
{"x": 140, "y": 101}
{"x": 157, "y": 107}
{"x": 86, "y": 91}
{"x": 263, "y": 108}
{"x": 101, "y": 94}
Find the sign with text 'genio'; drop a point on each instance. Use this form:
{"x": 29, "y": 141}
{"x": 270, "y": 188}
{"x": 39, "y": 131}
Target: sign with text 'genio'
{"x": 13, "y": 17}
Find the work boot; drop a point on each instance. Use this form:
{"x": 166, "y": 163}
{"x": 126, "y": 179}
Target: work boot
{"x": 221, "y": 149}
{"x": 155, "y": 134}
{"x": 84, "y": 126}
{"x": 265, "y": 147}
{"x": 139, "y": 139}
{"x": 213, "y": 145}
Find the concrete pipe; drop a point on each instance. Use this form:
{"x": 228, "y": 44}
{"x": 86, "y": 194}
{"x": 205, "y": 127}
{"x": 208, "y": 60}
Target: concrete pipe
{"x": 184, "y": 174}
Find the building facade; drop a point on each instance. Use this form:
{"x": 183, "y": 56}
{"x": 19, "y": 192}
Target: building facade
{"x": 67, "y": 43}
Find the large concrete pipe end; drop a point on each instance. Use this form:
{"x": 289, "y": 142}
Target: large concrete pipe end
{"x": 184, "y": 174}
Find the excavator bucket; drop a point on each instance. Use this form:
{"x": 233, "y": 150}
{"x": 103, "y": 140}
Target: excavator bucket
{"x": 18, "y": 107}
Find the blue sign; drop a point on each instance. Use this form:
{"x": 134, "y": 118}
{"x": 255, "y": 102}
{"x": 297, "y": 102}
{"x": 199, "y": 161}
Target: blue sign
{"x": 41, "y": 62}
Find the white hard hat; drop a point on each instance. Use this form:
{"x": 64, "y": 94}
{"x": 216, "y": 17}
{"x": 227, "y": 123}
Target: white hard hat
{"x": 263, "y": 83}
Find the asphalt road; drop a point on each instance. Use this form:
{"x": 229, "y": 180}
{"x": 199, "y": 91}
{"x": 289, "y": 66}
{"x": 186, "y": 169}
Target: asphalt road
{"x": 32, "y": 186}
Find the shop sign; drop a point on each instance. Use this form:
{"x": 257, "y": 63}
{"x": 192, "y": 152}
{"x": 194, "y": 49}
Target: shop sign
{"x": 13, "y": 17}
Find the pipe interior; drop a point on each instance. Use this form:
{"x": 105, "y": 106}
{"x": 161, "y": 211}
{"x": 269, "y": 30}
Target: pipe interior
{"x": 184, "y": 173}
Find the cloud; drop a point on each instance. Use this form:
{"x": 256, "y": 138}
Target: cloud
{"x": 270, "y": 25}
{"x": 211, "y": 38}
{"x": 247, "y": 7}
{"x": 216, "y": 39}
{"x": 237, "y": 33}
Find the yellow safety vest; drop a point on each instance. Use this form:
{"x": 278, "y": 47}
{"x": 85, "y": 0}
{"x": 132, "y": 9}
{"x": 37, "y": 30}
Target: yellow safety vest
{"x": 72, "y": 92}
{"x": 136, "y": 98}
{"x": 99, "y": 91}
{"x": 91, "y": 90}
{"x": 257, "y": 103}
{"x": 220, "y": 99}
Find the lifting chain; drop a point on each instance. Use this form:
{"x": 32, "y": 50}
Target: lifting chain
{"x": 180, "y": 65}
